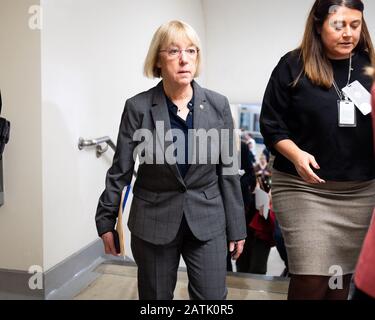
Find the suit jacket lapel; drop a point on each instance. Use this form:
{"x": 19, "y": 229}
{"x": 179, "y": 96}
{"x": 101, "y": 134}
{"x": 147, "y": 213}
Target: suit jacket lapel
{"x": 162, "y": 124}
{"x": 201, "y": 110}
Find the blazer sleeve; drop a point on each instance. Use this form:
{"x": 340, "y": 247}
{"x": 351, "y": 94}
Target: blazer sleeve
{"x": 275, "y": 104}
{"x": 229, "y": 181}
{"x": 120, "y": 173}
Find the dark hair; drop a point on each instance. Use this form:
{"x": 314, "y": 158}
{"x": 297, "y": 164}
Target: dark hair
{"x": 317, "y": 66}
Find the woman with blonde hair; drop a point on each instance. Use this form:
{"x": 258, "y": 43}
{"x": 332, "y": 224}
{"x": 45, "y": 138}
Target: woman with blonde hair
{"x": 185, "y": 204}
{"x": 323, "y": 182}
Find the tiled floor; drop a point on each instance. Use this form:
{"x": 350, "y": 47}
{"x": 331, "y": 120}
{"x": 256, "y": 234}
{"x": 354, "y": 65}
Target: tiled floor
{"x": 118, "y": 282}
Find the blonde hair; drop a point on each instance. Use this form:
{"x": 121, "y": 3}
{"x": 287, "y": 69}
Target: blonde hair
{"x": 165, "y": 35}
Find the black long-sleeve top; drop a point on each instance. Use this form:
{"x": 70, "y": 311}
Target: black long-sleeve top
{"x": 308, "y": 115}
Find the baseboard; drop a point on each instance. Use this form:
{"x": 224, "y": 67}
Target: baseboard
{"x": 14, "y": 285}
{"x": 73, "y": 267}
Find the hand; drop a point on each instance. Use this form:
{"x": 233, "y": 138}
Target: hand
{"x": 302, "y": 164}
{"x": 301, "y": 160}
{"x": 236, "y": 248}
{"x": 109, "y": 244}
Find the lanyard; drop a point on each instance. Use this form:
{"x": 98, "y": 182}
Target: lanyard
{"x": 338, "y": 91}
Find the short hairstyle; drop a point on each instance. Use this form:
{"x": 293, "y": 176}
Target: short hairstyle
{"x": 316, "y": 64}
{"x": 165, "y": 35}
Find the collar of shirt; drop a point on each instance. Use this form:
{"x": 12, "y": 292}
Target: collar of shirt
{"x": 174, "y": 108}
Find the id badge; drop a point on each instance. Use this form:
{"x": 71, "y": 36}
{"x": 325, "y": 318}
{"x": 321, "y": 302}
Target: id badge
{"x": 347, "y": 116}
{"x": 357, "y": 93}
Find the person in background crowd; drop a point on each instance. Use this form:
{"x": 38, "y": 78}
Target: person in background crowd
{"x": 266, "y": 152}
{"x": 262, "y": 226}
{"x": 248, "y": 183}
{"x": 251, "y": 144}
{"x": 263, "y": 171}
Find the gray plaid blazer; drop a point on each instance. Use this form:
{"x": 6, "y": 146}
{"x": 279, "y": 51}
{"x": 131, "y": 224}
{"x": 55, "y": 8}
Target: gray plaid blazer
{"x": 211, "y": 202}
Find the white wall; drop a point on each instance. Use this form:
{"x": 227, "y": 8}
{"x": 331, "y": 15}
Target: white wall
{"x": 21, "y": 215}
{"x": 370, "y": 17}
{"x": 92, "y": 53}
{"x": 246, "y": 39}
{"x": 92, "y": 59}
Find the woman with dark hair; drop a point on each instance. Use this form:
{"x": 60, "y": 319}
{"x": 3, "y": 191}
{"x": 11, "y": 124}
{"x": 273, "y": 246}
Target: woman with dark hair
{"x": 323, "y": 183}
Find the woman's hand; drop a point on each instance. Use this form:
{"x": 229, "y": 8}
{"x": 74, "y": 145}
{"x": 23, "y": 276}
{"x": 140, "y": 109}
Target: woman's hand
{"x": 109, "y": 244}
{"x": 236, "y": 248}
{"x": 303, "y": 162}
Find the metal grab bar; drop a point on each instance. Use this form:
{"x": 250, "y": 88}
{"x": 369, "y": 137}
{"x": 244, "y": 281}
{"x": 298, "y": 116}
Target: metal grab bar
{"x": 82, "y": 144}
{"x": 100, "y": 150}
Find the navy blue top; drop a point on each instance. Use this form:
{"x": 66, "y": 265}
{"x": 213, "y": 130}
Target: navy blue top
{"x": 178, "y": 124}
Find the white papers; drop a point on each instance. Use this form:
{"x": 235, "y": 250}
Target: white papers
{"x": 262, "y": 202}
{"x": 357, "y": 93}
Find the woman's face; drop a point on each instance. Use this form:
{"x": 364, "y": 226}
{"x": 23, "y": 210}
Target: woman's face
{"x": 178, "y": 62}
{"x": 341, "y": 32}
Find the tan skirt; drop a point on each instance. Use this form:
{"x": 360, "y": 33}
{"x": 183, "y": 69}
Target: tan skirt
{"x": 323, "y": 225}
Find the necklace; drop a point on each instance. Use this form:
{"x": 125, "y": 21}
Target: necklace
{"x": 180, "y": 109}
{"x": 342, "y": 95}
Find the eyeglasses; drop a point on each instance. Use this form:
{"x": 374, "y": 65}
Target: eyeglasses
{"x": 174, "y": 52}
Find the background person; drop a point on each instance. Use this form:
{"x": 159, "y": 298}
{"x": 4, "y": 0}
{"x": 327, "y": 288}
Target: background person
{"x": 263, "y": 172}
{"x": 251, "y": 144}
{"x": 323, "y": 183}
{"x": 248, "y": 184}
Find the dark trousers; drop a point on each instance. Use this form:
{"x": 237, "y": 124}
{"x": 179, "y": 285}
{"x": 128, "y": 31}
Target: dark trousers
{"x": 158, "y": 266}
{"x": 255, "y": 256}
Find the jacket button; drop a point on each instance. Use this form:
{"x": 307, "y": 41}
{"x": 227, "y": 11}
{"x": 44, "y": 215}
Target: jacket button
{"x": 182, "y": 190}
